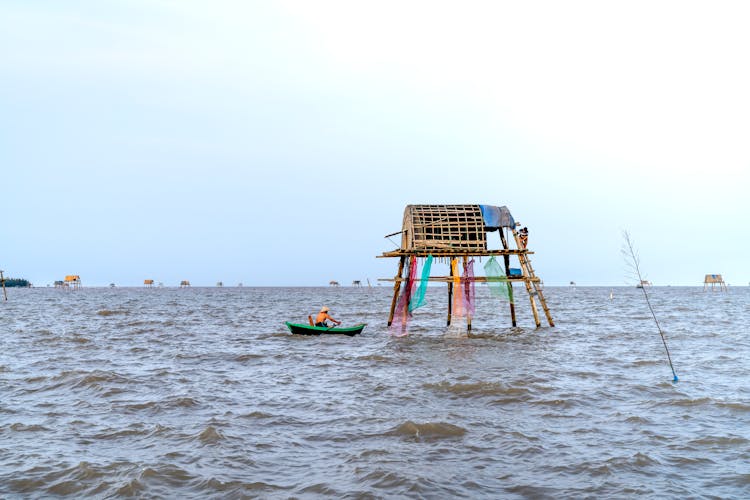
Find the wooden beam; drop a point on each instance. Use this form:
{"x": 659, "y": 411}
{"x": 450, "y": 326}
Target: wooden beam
{"x": 450, "y": 253}
{"x": 449, "y": 279}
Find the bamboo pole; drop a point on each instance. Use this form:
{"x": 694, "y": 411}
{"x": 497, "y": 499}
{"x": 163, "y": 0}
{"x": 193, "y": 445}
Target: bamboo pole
{"x": 467, "y": 285}
{"x": 537, "y": 288}
{"x": 396, "y": 288}
{"x": 450, "y": 294}
{"x": 506, "y": 258}
{"x": 526, "y": 274}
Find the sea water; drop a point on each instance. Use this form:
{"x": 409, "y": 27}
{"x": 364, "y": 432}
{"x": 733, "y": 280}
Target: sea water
{"x": 203, "y": 393}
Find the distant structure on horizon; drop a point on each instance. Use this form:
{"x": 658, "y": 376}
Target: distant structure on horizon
{"x": 333, "y": 283}
{"x": 357, "y": 283}
{"x": 184, "y": 284}
{"x": 148, "y": 283}
{"x": 643, "y": 283}
{"x": 71, "y": 281}
{"x": 713, "y": 280}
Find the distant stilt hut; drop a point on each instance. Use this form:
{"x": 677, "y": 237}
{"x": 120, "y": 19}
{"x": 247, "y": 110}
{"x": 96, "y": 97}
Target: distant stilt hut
{"x": 73, "y": 281}
{"x": 713, "y": 280}
{"x": 357, "y": 283}
{"x": 184, "y": 284}
{"x": 148, "y": 283}
{"x": 453, "y": 232}
{"x": 333, "y": 283}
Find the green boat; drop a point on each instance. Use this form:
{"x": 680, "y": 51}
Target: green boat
{"x": 300, "y": 329}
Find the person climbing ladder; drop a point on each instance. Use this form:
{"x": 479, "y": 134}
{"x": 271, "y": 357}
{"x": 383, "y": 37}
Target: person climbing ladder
{"x": 524, "y": 234}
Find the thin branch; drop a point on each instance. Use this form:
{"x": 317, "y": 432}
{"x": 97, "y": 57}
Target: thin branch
{"x": 633, "y": 261}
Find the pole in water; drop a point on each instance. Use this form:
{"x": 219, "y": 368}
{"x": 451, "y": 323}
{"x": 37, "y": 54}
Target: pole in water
{"x": 2, "y": 280}
{"x": 629, "y": 252}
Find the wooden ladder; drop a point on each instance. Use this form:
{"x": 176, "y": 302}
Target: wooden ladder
{"x": 530, "y": 281}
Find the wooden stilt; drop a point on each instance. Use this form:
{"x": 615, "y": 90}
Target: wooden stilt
{"x": 405, "y": 312}
{"x": 396, "y": 289}
{"x": 450, "y": 294}
{"x": 466, "y": 297}
{"x": 506, "y": 258}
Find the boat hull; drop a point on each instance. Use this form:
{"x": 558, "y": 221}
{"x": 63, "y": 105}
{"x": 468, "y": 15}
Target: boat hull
{"x": 300, "y": 329}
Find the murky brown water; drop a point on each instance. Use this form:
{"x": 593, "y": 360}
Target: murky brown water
{"x": 202, "y": 393}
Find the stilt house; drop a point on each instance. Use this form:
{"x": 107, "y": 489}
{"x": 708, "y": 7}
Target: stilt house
{"x": 73, "y": 281}
{"x": 713, "y": 280}
{"x": 454, "y": 232}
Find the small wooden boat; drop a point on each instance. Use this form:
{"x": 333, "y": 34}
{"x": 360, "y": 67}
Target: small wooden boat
{"x": 301, "y": 329}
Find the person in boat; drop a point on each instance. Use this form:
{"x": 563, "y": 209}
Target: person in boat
{"x": 524, "y": 234}
{"x": 323, "y": 316}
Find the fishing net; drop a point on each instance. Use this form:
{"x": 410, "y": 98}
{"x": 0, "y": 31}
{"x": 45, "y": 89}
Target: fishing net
{"x": 419, "y": 297}
{"x": 458, "y": 298}
{"x": 402, "y": 314}
{"x": 497, "y": 281}
{"x": 469, "y": 287}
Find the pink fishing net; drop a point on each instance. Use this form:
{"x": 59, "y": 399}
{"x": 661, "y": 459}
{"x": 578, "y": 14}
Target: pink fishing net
{"x": 401, "y": 315}
{"x": 463, "y": 296}
{"x": 469, "y": 303}
{"x": 458, "y": 297}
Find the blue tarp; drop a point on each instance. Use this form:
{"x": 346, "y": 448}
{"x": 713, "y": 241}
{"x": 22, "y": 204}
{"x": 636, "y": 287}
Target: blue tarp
{"x": 496, "y": 217}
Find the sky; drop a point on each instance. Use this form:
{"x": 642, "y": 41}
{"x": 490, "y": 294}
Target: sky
{"x": 277, "y": 143}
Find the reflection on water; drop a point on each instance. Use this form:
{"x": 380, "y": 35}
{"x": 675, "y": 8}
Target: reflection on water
{"x": 203, "y": 393}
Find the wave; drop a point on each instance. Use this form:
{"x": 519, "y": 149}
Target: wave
{"x": 257, "y": 414}
{"x": 19, "y": 427}
{"x": 248, "y": 357}
{"x": 428, "y": 430}
{"x": 109, "y": 312}
{"x": 734, "y": 406}
{"x": 480, "y": 389}
{"x": 158, "y": 406}
{"x": 720, "y": 441}
{"x": 210, "y": 435}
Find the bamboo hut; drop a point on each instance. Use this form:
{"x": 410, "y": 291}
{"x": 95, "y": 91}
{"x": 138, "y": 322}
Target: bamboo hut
{"x": 713, "y": 280}
{"x": 73, "y": 281}
{"x": 148, "y": 283}
{"x": 184, "y": 284}
{"x": 454, "y": 232}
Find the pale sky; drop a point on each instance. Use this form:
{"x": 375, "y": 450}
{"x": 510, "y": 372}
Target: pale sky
{"x": 276, "y": 143}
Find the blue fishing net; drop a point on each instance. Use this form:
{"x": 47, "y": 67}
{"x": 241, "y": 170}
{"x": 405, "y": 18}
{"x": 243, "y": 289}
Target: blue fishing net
{"x": 419, "y": 297}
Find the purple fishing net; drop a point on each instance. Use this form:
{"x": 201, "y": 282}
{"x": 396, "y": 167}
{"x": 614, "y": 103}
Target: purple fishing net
{"x": 469, "y": 304}
{"x": 401, "y": 314}
{"x": 463, "y": 296}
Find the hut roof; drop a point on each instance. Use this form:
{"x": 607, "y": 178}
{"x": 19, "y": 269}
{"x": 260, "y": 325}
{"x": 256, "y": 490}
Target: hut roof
{"x": 451, "y": 227}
